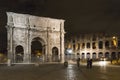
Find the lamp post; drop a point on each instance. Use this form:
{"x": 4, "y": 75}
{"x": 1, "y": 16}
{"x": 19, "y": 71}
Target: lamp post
{"x": 114, "y": 39}
{"x": 115, "y": 45}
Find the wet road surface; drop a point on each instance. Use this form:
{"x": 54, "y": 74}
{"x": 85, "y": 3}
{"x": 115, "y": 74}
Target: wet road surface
{"x": 58, "y": 72}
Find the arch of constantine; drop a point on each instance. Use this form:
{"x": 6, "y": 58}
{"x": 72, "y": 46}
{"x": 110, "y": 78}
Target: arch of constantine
{"x": 30, "y": 37}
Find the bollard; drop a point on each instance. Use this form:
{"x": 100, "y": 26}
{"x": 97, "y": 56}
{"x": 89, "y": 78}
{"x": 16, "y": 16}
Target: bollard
{"x": 9, "y": 62}
{"x": 37, "y": 64}
{"x": 66, "y": 64}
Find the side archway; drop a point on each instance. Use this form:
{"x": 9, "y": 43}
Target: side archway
{"x": 19, "y": 52}
{"x": 113, "y": 55}
{"x": 88, "y": 55}
{"x": 100, "y": 54}
{"x": 94, "y": 55}
{"x": 55, "y": 54}
{"x": 107, "y": 55}
{"x": 83, "y": 55}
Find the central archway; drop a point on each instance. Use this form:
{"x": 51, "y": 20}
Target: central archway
{"x": 37, "y": 50}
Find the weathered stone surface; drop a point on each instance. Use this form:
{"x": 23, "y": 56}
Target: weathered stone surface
{"x": 23, "y": 29}
{"x": 107, "y": 50}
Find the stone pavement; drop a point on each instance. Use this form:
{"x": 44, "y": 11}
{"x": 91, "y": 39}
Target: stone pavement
{"x": 58, "y": 72}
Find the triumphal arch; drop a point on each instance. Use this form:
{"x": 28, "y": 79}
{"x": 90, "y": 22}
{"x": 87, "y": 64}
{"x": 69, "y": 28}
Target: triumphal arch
{"x": 32, "y": 37}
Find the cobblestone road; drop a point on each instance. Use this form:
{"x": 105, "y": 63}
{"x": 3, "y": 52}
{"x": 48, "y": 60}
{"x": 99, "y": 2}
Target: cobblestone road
{"x": 58, "y": 72}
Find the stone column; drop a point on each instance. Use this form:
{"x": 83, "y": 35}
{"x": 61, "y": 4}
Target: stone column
{"x": 104, "y": 48}
{"x": 48, "y": 45}
{"x": 85, "y": 55}
{"x": 27, "y": 47}
{"x": 10, "y": 43}
{"x": 91, "y": 55}
{"x": 97, "y": 55}
{"x": 62, "y": 41}
{"x": 46, "y": 57}
{"x": 44, "y": 53}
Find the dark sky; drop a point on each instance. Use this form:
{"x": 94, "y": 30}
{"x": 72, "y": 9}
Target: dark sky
{"x": 82, "y": 16}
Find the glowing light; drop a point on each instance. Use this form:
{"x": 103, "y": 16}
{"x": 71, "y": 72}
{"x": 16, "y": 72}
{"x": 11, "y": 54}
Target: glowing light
{"x": 114, "y": 41}
{"x": 114, "y": 37}
{"x": 69, "y": 51}
{"x": 102, "y": 63}
{"x": 69, "y": 45}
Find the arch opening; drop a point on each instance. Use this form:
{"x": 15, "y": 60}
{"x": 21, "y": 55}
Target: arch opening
{"x": 94, "y": 55}
{"x": 83, "y": 55}
{"x": 113, "y": 55}
{"x": 100, "y": 55}
{"x": 37, "y": 50}
{"x": 107, "y": 55}
{"x": 88, "y": 55}
{"x": 55, "y": 54}
{"x": 19, "y": 53}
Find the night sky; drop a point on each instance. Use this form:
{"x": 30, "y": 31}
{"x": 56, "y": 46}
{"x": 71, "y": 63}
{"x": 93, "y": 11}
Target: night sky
{"x": 82, "y": 16}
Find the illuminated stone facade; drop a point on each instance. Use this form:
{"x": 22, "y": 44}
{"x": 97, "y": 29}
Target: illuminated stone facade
{"x": 24, "y": 29}
{"x": 95, "y": 46}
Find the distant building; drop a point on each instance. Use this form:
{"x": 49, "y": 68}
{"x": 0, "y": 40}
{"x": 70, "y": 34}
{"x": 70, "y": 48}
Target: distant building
{"x": 32, "y": 37}
{"x": 94, "y": 46}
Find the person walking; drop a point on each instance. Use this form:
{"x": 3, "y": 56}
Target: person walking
{"x": 66, "y": 61}
{"x": 90, "y": 63}
{"x": 111, "y": 60}
{"x": 78, "y": 62}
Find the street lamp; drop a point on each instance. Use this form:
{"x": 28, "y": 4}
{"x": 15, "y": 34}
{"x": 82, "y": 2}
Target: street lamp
{"x": 115, "y": 44}
{"x": 69, "y": 51}
{"x": 114, "y": 39}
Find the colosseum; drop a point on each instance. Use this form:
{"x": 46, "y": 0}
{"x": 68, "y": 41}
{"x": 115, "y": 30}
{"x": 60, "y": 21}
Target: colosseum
{"x": 95, "y": 46}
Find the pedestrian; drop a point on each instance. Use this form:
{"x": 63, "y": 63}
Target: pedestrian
{"x": 90, "y": 63}
{"x": 111, "y": 60}
{"x": 78, "y": 62}
{"x": 66, "y": 63}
